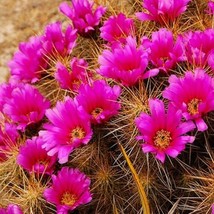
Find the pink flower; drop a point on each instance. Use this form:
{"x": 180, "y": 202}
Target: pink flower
{"x": 199, "y": 46}
{"x": 8, "y": 138}
{"x": 71, "y": 78}
{"x": 117, "y": 28}
{"x": 70, "y": 189}
{"x": 69, "y": 127}
{"x": 11, "y": 209}
{"x": 5, "y": 94}
{"x": 210, "y": 9}
{"x": 99, "y": 100}
{"x": 164, "y": 52}
{"x": 193, "y": 94}
{"x": 210, "y": 59}
{"x": 56, "y": 42}
{"x": 81, "y": 14}
{"x": 28, "y": 62}
{"x": 126, "y": 63}
{"x": 25, "y": 105}
{"x": 163, "y": 132}
{"x": 162, "y": 11}
{"x": 34, "y": 158}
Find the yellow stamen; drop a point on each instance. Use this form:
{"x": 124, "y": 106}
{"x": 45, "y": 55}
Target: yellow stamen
{"x": 68, "y": 199}
{"x": 78, "y": 132}
{"x": 96, "y": 112}
{"x": 76, "y": 82}
{"x": 192, "y": 106}
{"x": 162, "y": 139}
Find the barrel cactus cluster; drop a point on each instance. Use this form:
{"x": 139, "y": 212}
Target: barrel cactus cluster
{"x": 112, "y": 111}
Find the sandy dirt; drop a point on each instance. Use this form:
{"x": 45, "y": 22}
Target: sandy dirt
{"x": 20, "y": 19}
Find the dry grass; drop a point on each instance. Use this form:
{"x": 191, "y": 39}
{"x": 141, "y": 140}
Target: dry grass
{"x": 19, "y": 20}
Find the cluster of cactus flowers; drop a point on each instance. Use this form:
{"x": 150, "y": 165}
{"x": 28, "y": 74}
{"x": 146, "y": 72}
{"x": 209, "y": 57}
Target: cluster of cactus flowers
{"x": 112, "y": 112}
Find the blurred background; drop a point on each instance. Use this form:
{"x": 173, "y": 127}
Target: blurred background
{"x": 20, "y": 19}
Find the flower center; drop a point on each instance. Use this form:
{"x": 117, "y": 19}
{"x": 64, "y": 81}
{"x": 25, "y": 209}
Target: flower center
{"x": 76, "y": 82}
{"x": 162, "y": 139}
{"x": 78, "y": 132}
{"x": 192, "y": 106}
{"x": 68, "y": 199}
{"x": 96, "y": 112}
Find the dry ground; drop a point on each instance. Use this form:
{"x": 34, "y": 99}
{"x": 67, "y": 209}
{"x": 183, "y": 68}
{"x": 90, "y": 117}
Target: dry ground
{"x": 20, "y": 19}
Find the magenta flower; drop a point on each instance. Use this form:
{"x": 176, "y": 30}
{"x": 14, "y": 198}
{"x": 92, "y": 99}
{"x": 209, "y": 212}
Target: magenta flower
{"x": 81, "y": 14}
{"x": 28, "y": 62}
{"x": 99, "y": 100}
{"x": 56, "y": 42}
{"x": 71, "y": 78}
{"x": 34, "y": 158}
{"x": 69, "y": 127}
{"x": 117, "y": 28}
{"x": 193, "y": 94}
{"x": 126, "y": 63}
{"x": 11, "y": 209}
{"x": 164, "y": 52}
{"x": 162, "y": 11}
{"x": 8, "y": 138}
{"x": 163, "y": 132}
{"x": 70, "y": 189}
{"x": 25, "y": 105}
{"x": 5, "y": 93}
{"x": 210, "y": 9}
{"x": 199, "y": 46}
{"x": 210, "y": 59}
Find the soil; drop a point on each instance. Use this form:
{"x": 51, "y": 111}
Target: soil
{"x": 20, "y": 19}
